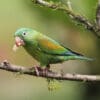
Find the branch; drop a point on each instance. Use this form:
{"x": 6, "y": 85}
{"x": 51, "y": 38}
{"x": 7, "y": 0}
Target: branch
{"x": 98, "y": 14}
{"x": 54, "y": 75}
{"x": 76, "y": 17}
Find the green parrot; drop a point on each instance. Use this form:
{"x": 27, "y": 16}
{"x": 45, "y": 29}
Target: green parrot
{"x": 44, "y": 49}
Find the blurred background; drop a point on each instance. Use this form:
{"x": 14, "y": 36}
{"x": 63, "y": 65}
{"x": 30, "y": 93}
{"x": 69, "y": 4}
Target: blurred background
{"x": 16, "y": 14}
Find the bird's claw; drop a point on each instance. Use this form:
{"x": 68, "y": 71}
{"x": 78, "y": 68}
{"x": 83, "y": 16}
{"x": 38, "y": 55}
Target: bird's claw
{"x": 46, "y": 71}
{"x": 36, "y": 70}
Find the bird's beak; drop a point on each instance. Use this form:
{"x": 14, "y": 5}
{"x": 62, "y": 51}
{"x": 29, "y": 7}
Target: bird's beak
{"x": 18, "y": 42}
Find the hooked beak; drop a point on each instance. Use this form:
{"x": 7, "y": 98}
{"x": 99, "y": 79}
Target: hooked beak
{"x": 18, "y": 42}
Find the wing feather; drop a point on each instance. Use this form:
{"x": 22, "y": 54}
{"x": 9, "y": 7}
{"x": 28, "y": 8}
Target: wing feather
{"x": 49, "y": 46}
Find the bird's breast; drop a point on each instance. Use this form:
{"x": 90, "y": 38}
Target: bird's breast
{"x": 42, "y": 57}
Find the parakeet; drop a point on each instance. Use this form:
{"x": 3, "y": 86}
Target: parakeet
{"x": 44, "y": 49}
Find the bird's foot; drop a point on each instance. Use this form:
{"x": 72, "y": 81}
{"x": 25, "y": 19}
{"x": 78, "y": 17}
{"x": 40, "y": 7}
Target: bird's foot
{"x": 36, "y": 69}
{"x": 46, "y": 70}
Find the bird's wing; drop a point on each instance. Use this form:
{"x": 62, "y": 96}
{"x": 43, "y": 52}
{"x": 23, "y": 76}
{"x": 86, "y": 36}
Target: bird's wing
{"x": 52, "y": 47}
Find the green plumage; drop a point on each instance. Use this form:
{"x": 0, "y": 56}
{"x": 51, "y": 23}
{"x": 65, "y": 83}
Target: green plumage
{"x": 44, "y": 49}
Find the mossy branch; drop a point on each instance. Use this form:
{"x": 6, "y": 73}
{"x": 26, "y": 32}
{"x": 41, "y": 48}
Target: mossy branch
{"x": 93, "y": 27}
{"x": 5, "y": 65}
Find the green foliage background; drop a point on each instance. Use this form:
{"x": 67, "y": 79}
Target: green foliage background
{"x": 15, "y": 14}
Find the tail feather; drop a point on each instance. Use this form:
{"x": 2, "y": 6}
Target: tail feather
{"x": 75, "y": 55}
{"x": 83, "y": 58}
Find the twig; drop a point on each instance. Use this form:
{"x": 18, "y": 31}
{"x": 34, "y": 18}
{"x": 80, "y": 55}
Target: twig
{"x": 76, "y": 17}
{"x": 54, "y": 75}
{"x": 98, "y": 14}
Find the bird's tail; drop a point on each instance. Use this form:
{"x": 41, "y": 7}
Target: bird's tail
{"x": 83, "y": 58}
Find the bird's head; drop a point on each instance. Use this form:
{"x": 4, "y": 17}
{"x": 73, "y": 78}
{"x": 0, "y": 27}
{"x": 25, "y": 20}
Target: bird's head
{"x": 24, "y": 35}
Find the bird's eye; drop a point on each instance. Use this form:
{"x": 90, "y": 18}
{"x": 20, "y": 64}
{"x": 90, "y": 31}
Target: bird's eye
{"x": 24, "y": 33}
